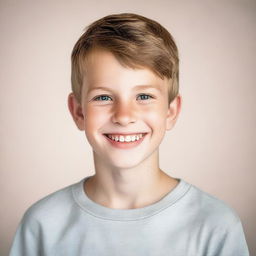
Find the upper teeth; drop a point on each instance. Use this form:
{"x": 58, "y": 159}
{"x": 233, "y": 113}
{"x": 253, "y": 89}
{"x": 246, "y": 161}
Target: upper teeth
{"x": 125, "y": 138}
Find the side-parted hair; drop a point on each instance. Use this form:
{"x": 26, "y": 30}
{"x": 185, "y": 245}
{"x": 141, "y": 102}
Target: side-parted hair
{"x": 136, "y": 41}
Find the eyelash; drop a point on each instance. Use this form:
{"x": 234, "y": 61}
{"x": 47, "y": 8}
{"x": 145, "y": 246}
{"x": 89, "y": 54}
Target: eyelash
{"x": 96, "y": 99}
{"x": 143, "y": 94}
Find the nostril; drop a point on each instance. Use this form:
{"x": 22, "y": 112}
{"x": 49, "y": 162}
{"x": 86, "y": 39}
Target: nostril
{"x": 123, "y": 117}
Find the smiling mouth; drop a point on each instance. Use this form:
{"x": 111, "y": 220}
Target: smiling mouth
{"x": 125, "y": 138}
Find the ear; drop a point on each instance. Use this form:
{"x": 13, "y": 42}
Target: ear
{"x": 76, "y": 111}
{"x": 173, "y": 112}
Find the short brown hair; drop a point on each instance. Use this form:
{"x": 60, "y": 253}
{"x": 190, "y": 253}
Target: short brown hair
{"x": 136, "y": 41}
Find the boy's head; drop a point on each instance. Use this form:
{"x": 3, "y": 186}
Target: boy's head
{"x": 135, "y": 41}
{"x": 125, "y": 88}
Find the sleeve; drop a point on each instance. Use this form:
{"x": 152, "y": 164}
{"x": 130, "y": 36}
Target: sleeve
{"x": 26, "y": 240}
{"x": 233, "y": 242}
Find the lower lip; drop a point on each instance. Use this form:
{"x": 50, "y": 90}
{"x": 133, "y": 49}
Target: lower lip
{"x": 125, "y": 145}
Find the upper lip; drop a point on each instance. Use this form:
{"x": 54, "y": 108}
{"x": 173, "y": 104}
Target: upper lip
{"x": 125, "y": 133}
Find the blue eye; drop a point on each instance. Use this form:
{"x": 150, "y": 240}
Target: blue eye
{"x": 103, "y": 97}
{"x": 145, "y": 98}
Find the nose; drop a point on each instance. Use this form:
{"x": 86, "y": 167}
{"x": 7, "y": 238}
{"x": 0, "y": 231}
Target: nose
{"x": 124, "y": 114}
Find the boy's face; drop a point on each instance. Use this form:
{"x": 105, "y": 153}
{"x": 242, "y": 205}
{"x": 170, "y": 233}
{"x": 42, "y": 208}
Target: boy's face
{"x": 117, "y": 100}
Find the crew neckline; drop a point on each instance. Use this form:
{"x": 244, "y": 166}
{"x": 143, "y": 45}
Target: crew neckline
{"x": 103, "y": 212}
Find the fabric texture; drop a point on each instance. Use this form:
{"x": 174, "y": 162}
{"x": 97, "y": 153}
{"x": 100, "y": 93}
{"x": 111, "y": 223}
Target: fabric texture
{"x": 185, "y": 222}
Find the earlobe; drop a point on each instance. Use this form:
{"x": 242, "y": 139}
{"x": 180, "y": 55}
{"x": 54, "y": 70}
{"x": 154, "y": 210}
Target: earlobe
{"x": 173, "y": 112}
{"x": 75, "y": 110}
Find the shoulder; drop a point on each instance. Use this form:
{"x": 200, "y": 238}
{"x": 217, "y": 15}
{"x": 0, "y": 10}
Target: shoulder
{"x": 212, "y": 210}
{"x": 50, "y": 207}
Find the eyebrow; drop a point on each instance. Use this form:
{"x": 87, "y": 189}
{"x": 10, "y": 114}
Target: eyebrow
{"x": 137, "y": 87}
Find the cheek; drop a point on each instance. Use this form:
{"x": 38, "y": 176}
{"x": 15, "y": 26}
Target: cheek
{"x": 94, "y": 117}
{"x": 156, "y": 119}
{"x": 155, "y": 114}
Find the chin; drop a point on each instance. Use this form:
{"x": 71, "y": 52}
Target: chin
{"x": 125, "y": 164}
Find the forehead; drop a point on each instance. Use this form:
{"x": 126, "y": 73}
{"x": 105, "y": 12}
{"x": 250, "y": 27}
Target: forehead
{"x": 101, "y": 68}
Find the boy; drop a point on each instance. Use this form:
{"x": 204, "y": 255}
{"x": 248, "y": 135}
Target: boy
{"x": 125, "y": 96}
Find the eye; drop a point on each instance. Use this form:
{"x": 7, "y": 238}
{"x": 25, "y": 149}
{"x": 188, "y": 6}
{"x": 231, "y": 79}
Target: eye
{"x": 145, "y": 96}
{"x": 101, "y": 98}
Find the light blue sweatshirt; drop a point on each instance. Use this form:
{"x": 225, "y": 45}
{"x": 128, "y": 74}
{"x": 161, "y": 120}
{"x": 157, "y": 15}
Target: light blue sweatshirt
{"x": 185, "y": 222}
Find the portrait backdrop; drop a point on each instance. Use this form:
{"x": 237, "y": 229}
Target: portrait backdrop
{"x": 213, "y": 143}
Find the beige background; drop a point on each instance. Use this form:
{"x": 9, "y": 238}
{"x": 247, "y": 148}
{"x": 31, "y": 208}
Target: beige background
{"x": 213, "y": 143}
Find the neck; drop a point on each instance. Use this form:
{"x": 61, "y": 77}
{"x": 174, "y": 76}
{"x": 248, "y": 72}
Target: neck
{"x": 128, "y": 188}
